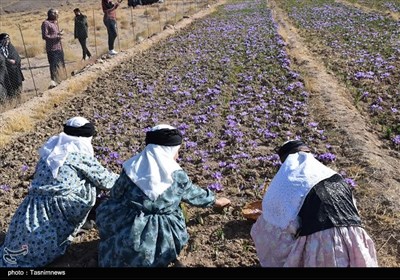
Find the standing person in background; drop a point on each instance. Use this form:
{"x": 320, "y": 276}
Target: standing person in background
{"x": 4, "y": 80}
{"x": 81, "y": 32}
{"x": 63, "y": 191}
{"x": 13, "y": 63}
{"x": 55, "y": 54}
{"x": 110, "y": 21}
{"x": 309, "y": 217}
{"x": 134, "y": 3}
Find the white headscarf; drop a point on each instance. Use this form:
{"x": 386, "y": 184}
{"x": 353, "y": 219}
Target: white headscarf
{"x": 288, "y": 189}
{"x": 151, "y": 170}
{"x": 57, "y": 148}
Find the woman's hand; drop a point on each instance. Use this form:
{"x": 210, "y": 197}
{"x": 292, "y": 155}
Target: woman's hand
{"x": 222, "y": 202}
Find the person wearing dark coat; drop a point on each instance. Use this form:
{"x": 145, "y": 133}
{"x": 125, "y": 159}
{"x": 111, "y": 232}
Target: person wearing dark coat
{"x": 81, "y": 32}
{"x": 13, "y": 64}
{"x": 3, "y": 79}
{"x": 134, "y": 3}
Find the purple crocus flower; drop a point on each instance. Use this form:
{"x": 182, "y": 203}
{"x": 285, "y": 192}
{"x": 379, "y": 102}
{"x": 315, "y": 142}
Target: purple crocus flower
{"x": 114, "y": 155}
{"x": 327, "y": 157}
{"x": 396, "y": 140}
{"x": 232, "y": 166}
{"x": 215, "y": 187}
{"x": 351, "y": 182}
{"x": 24, "y": 168}
{"x": 190, "y": 144}
{"x": 221, "y": 144}
{"x": 210, "y": 134}
{"x": 5, "y": 187}
{"x": 217, "y": 175}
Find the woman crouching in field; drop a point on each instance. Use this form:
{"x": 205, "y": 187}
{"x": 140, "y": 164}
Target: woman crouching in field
{"x": 62, "y": 193}
{"x": 142, "y": 224}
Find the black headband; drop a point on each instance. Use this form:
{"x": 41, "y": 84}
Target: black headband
{"x": 4, "y": 36}
{"x": 289, "y": 148}
{"x": 164, "y": 137}
{"x": 86, "y": 130}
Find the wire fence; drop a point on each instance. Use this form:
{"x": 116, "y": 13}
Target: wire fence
{"x": 29, "y": 57}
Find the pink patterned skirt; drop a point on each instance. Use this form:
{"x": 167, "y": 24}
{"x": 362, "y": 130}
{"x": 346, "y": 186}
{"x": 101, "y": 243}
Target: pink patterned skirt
{"x": 335, "y": 247}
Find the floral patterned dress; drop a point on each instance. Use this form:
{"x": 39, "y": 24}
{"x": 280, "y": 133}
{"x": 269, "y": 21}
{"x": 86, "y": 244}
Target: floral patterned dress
{"x": 138, "y": 232}
{"x": 53, "y": 211}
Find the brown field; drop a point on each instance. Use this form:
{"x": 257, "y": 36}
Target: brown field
{"x": 22, "y": 20}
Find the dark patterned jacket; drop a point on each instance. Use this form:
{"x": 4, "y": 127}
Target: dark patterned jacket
{"x": 15, "y": 74}
{"x": 81, "y": 27}
{"x": 329, "y": 204}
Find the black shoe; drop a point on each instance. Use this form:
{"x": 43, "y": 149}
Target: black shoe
{"x": 178, "y": 263}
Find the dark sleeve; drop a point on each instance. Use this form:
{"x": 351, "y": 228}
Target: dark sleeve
{"x": 86, "y": 24}
{"x": 44, "y": 31}
{"x": 13, "y": 54}
{"x": 75, "y": 29}
{"x": 3, "y": 71}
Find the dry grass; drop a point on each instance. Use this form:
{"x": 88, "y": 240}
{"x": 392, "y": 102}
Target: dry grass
{"x": 18, "y": 123}
{"x": 127, "y": 44}
{"x": 170, "y": 22}
{"x": 163, "y": 9}
{"x": 33, "y": 50}
{"x": 147, "y": 13}
{"x": 71, "y": 54}
{"x": 192, "y": 10}
{"x": 141, "y": 35}
{"x": 124, "y": 24}
{"x": 25, "y": 32}
{"x": 30, "y": 22}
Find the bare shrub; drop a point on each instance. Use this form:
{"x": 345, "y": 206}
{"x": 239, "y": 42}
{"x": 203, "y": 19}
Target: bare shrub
{"x": 34, "y": 50}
